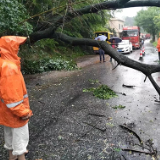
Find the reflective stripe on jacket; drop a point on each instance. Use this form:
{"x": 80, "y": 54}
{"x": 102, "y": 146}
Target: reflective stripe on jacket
{"x": 15, "y": 103}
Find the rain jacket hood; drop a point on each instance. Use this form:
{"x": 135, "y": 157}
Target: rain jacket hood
{"x": 14, "y": 102}
{"x": 9, "y": 47}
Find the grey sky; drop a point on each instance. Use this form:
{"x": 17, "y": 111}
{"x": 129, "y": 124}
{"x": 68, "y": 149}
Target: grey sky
{"x": 130, "y": 12}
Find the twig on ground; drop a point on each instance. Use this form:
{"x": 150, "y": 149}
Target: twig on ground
{"x": 98, "y": 115}
{"x": 143, "y": 147}
{"x": 124, "y": 157}
{"x": 83, "y": 135}
{"x": 133, "y": 150}
{"x": 149, "y": 143}
{"x": 128, "y": 86}
{"x": 157, "y": 101}
{"x": 41, "y": 102}
{"x": 134, "y": 133}
{"x": 121, "y": 93}
{"x": 103, "y": 130}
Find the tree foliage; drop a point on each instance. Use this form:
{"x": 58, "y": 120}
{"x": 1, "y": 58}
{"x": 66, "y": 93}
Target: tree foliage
{"x": 145, "y": 19}
{"x": 44, "y": 14}
{"x": 156, "y": 20}
{"x": 12, "y": 13}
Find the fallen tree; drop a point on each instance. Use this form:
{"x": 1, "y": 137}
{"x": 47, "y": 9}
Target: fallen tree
{"x": 48, "y": 30}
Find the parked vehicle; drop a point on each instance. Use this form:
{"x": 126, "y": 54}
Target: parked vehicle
{"x": 105, "y": 33}
{"x": 124, "y": 47}
{"x": 147, "y": 36}
{"x": 133, "y": 35}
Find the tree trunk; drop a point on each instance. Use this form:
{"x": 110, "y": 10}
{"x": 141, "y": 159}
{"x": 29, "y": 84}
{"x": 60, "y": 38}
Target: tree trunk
{"x": 50, "y": 32}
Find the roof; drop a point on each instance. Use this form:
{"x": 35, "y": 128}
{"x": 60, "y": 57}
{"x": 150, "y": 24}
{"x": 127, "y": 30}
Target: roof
{"x": 102, "y": 32}
{"x": 130, "y": 27}
{"x": 116, "y": 19}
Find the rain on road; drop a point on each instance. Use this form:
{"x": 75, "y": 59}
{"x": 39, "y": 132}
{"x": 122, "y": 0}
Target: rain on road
{"x": 69, "y": 124}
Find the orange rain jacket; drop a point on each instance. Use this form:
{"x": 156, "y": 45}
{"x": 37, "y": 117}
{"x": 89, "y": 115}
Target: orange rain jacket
{"x": 158, "y": 45}
{"x": 14, "y": 102}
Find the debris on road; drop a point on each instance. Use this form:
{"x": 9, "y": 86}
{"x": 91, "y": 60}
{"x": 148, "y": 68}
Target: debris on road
{"x": 119, "y": 106}
{"x": 149, "y": 145}
{"x": 134, "y": 133}
{"x": 128, "y": 86}
{"x": 98, "y": 115}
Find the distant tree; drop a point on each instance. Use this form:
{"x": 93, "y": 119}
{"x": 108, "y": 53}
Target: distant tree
{"x": 129, "y": 21}
{"x": 157, "y": 21}
{"x": 113, "y": 31}
{"x": 145, "y": 19}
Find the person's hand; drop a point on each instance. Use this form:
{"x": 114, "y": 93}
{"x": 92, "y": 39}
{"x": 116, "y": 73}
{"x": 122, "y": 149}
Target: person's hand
{"x": 27, "y": 117}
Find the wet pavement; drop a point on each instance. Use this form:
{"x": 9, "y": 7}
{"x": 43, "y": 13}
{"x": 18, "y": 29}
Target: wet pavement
{"x": 69, "y": 124}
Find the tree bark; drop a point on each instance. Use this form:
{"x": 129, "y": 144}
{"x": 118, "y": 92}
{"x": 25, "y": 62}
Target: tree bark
{"x": 50, "y": 32}
{"x": 120, "y": 58}
{"x": 109, "y": 5}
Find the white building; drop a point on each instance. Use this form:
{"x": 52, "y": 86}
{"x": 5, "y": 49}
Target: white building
{"x": 117, "y": 25}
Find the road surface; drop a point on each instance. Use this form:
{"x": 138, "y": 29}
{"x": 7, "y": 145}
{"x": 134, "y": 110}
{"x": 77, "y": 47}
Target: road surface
{"x": 69, "y": 124}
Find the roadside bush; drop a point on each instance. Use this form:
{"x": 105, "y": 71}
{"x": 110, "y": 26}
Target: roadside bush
{"x": 47, "y": 64}
{"x": 154, "y": 44}
{"x": 47, "y": 44}
{"x": 48, "y": 55}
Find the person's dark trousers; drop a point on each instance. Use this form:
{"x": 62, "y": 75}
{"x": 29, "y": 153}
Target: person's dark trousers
{"x": 159, "y": 55}
{"x": 101, "y": 54}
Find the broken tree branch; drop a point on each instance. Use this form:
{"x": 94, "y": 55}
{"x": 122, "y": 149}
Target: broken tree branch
{"x": 116, "y": 66}
{"x": 145, "y": 79}
{"x": 133, "y": 150}
{"x": 134, "y": 133}
{"x": 123, "y": 60}
{"x": 94, "y": 8}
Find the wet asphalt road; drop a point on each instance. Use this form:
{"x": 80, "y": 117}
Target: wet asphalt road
{"x": 69, "y": 124}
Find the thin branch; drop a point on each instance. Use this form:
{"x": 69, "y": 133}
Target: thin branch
{"x": 124, "y": 157}
{"x": 128, "y": 86}
{"x": 103, "y": 130}
{"x": 97, "y": 115}
{"x": 154, "y": 84}
{"x": 133, "y": 150}
{"x": 145, "y": 79}
{"x": 134, "y": 133}
{"x": 116, "y": 66}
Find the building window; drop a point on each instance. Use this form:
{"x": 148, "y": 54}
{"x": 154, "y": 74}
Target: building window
{"x": 119, "y": 26}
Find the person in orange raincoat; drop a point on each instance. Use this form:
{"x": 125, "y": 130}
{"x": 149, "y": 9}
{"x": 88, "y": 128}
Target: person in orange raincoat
{"x": 158, "y": 47}
{"x": 14, "y": 103}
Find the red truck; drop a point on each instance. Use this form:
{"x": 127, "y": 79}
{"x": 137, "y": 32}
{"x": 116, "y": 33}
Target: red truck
{"x": 132, "y": 34}
{"x": 147, "y": 36}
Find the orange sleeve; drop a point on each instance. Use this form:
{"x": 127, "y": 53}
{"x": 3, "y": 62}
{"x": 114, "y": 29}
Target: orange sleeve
{"x": 12, "y": 92}
{"x": 158, "y": 44}
{"x": 20, "y": 110}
